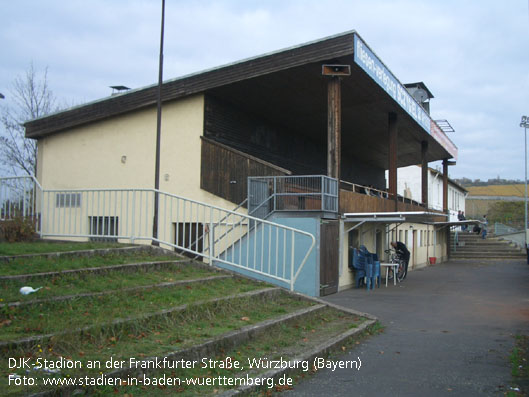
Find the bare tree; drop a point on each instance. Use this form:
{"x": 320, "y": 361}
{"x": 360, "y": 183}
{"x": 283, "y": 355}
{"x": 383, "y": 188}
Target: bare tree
{"x": 29, "y": 98}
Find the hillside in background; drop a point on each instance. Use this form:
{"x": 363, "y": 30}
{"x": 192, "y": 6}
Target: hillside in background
{"x": 515, "y": 190}
{"x": 466, "y": 182}
{"x": 502, "y": 202}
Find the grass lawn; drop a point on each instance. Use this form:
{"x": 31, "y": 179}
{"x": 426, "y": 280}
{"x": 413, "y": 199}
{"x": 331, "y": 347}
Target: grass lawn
{"x": 151, "y": 333}
{"x": 157, "y": 337}
{"x": 79, "y": 283}
{"x": 42, "y": 247}
{"x": 25, "y": 321}
{"x": 56, "y": 264}
{"x": 520, "y": 367}
{"x": 284, "y": 341}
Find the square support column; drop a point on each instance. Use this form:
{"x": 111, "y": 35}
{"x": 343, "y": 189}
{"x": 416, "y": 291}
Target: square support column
{"x": 334, "y": 127}
{"x": 392, "y": 160}
{"x": 445, "y": 186}
{"x": 424, "y": 173}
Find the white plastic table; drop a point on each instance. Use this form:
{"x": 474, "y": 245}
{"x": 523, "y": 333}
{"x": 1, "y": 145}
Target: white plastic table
{"x": 395, "y": 271}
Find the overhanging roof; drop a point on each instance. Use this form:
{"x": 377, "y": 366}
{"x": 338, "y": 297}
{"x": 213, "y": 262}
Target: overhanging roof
{"x": 287, "y": 89}
{"x": 394, "y": 217}
{"x": 457, "y": 223}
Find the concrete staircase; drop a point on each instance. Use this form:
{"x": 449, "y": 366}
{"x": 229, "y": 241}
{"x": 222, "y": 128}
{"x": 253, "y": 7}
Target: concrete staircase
{"x": 472, "y": 246}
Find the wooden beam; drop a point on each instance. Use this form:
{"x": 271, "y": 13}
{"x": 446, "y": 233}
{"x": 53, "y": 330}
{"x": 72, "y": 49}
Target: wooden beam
{"x": 424, "y": 173}
{"x": 334, "y": 126}
{"x": 393, "y": 147}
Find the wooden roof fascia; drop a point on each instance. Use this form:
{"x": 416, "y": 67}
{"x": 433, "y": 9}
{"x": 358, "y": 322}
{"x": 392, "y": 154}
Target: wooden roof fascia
{"x": 192, "y": 84}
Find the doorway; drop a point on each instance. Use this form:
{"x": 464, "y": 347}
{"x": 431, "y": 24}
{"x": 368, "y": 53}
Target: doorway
{"x": 329, "y": 241}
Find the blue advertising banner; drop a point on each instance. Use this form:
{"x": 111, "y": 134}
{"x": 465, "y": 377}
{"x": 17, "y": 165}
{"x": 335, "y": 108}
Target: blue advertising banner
{"x": 370, "y": 63}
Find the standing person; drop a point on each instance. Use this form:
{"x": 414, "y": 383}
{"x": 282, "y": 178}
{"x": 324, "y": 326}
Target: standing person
{"x": 403, "y": 253}
{"x": 463, "y": 218}
{"x": 485, "y": 223}
{"x": 460, "y": 218}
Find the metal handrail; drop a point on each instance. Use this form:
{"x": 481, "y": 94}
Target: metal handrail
{"x": 271, "y": 189}
{"x": 270, "y": 249}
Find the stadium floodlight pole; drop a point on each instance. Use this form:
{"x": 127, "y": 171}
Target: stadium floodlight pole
{"x": 525, "y": 123}
{"x": 158, "y": 137}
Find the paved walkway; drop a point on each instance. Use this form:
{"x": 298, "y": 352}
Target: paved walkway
{"x": 448, "y": 332}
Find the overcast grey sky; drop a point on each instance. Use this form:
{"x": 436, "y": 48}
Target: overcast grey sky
{"x": 472, "y": 54}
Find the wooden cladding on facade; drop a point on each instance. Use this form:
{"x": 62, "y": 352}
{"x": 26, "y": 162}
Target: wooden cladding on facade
{"x": 250, "y": 133}
{"x": 352, "y": 202}
{"x": 225, "y": 171}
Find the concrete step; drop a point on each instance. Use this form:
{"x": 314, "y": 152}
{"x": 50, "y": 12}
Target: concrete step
{"x": 461, "y": 257}
{"x": 471, "y": 246}
{"x": 477, "y": 238}
{"x": 485, "y": 248}
{"x": 496, "y": 253}
{"x": 484, "y": 253}
{"x": 484, "y": 243}
{"x": 476, "y": 249}
{"x": 487, "y": 252}
{"x": 471, "y": 235}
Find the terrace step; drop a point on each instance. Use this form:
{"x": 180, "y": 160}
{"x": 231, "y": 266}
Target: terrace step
{"x": 472, "y": 246}
{"x": 131, "y": 289}
{"x": 32, "y": 340}
{"x": 220, "y": 307}
{"x": 320, "y": 346}
{"x": 99, "y": 269}
{"x": 91, "y": 252}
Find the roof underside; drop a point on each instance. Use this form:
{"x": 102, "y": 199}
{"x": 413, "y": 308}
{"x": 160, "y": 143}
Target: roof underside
{"x": 394, "y": 217}
{"x": 287, "y": 89}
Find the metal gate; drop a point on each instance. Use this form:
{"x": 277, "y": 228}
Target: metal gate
{"x": 259, "y": 198}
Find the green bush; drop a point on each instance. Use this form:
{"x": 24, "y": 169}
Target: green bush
{"x": 17, "y": 229}
{"x": 507, "y": 212}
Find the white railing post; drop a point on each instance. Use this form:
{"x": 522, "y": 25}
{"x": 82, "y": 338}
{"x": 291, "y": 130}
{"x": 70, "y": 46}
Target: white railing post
{"x": 292, "y": 280}
{"x": 105, "y": 211}
{"x": 133, "y": 215}
{"x": 212, "y": 239}
{"x": 323, "y": 185}
{"x": 275, "y": 193}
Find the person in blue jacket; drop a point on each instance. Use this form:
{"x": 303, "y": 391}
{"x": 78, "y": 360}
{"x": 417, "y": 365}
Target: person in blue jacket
{"x": 484, "y": 223}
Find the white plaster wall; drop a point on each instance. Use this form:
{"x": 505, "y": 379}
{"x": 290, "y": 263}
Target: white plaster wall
{"x": 118, "y": 153}
{"x": 91, "y": 156}
{"x": 410, "y": 178}
{"x": 428, "y": 244}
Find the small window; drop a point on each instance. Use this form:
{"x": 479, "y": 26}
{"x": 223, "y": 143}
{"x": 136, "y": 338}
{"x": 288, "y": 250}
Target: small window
{"x": 68, "y": 200}
{"x": 104, "y": 226}
{"x": 189, "y": 235}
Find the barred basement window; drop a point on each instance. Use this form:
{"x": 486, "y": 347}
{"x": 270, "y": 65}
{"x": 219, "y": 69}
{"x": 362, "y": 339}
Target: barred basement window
{"x": 70, "y": 200}
{"x": 189, "y": 235}
{"x": 104, "y": 226}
